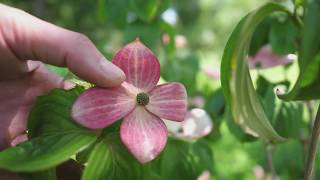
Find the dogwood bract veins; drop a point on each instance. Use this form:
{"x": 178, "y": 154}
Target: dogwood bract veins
{"x": 139, "y": 101}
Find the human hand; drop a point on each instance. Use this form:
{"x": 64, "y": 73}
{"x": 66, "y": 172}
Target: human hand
{"x": 24, "y": 38}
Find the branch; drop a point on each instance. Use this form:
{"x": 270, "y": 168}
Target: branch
{"x": 312, "y": 147}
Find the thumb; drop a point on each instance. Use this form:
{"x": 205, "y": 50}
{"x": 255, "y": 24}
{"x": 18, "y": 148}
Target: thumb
{"x": 31, "y": 38}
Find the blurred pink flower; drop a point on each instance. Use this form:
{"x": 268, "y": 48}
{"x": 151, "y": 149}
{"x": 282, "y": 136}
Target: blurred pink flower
{"x": 259, "y": 173}
{"x": 139, "y": 100}
{"x": 211, "y": 72}
{"x": 180, "y": 41}
{"x": 197, "y": 101}
{"x": 205, "y": 175}
{"x": 265, "y": 58}
{"x": 196, "y": 125}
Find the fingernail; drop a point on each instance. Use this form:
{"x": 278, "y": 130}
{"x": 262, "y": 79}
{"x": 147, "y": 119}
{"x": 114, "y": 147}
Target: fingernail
{"x": 114, "y": 75}
{"x": 67, "y": 85}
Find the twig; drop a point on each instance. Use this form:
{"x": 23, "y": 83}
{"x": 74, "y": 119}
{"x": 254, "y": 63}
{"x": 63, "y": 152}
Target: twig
{"x": 308, "y": 174}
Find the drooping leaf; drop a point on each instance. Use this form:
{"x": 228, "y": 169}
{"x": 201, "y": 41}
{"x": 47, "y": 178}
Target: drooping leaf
{"x": 307, "y": 85}
{"x": 236, "y": 82}
{"x": 236, "y": 130}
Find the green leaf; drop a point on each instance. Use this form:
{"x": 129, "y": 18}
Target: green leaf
{"x": 286, "y": 117}
{"x": 51, "y": 114}
{"x": 236, "y": 130}
{"x": 99, "y": 164}
{"x": 49, "y": 174}
{"x": 283, "y": 158}
{"x": 260, "y": 36}
{"x": 109, "y": 159}
{"x": 58, "y": 70}
{"x": 54, "y": 136}
{"x": 236, "y": 81}
{"x": 117, "y": 11}
{"x": 289, "y": 121}
{"x": 189, "y": 11}
{"x": 283, "y": 36}
{"x": 148, "y": 34}
{"x": 181, "y": 160}
{"x": 145, "y": 10}
{"x": 44, "y": 152}
{"x": 183, "y": 70}
{"x": 164, "y": 5}
{"x": 307, "y": 85}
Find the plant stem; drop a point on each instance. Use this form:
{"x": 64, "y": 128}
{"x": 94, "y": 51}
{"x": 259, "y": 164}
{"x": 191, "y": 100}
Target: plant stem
{"x": 308, "y": 174}
{"x": 310, "y": 112}
{"x": 269, "y": 151}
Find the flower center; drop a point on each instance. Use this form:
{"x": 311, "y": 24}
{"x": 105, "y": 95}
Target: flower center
{"x": 142, "y": 99}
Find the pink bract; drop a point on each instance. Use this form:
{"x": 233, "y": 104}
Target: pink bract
{"x": 265, "y": 58}
{"x": 139, "y": 101}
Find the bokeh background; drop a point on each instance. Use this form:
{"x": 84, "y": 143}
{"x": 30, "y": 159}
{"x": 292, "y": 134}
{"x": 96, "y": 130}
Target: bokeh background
{"x": 188, "y": 36}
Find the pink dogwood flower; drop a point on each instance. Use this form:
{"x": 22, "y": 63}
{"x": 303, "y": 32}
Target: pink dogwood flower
{"x": 139, "y": 101}
{"x": 197, "y": 124}
{"x": 265, "y": 58}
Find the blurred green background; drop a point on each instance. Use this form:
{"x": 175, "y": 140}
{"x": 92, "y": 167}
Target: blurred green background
{"x": 188, "y": 36}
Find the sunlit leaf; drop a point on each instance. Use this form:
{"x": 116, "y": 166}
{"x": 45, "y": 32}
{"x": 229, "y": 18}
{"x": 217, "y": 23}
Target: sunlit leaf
{"x": 236, "y": 82}
{"x": 99, "y": 164}
{"x": 236, "y": 130}
{"x": 44, "y": 152}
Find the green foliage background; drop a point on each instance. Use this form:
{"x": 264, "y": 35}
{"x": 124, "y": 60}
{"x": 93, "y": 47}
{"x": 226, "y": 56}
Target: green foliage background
{"x": 202, "y": 28}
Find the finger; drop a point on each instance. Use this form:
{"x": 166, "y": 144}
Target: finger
{"x": 31, "y": 38}
{"x": 19, "y": 96}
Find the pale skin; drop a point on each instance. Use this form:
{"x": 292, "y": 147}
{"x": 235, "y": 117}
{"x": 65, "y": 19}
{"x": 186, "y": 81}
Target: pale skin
{"x": 26, "y": 45}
